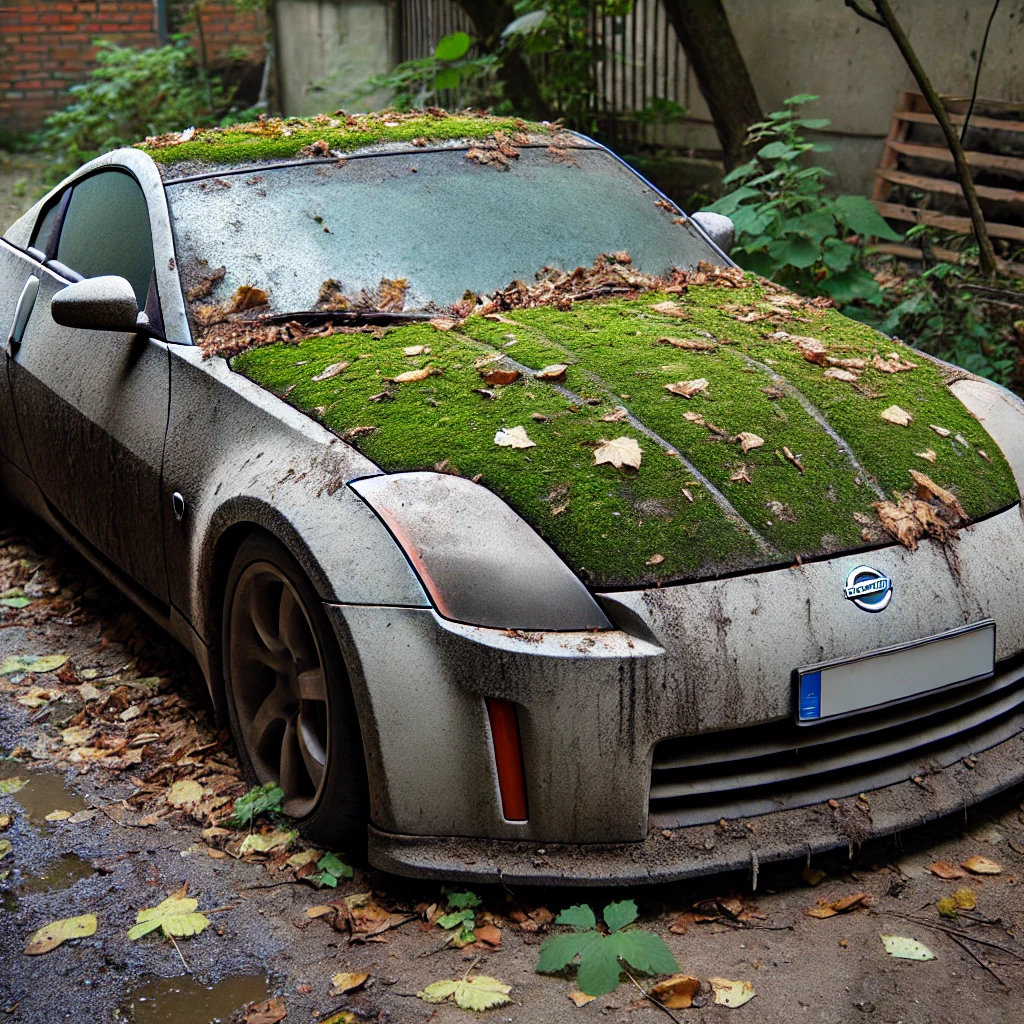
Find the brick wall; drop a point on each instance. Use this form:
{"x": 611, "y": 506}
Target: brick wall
{"x": 48, "y": 45}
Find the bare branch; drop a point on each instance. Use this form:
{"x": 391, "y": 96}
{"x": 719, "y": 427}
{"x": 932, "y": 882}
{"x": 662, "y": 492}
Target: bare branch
{"x": 866, "y": 15}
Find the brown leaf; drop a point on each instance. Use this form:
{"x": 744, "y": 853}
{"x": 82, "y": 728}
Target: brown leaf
{"x": 655, "y": 559}
{"x": 676, "y": 992}
{"x": 619, "y": 452}
{"x": 941, "y": 431}
{"x": 928, "y": 454}
{"x": 740, "y": 476}
{"x": 412, "y": 375}
{"x": 488, "y": 933}
{"x": 416, "y": 350}
{"x": 347, "y": 982}
{"x": 894, "y": 414}
{"x": 581, "y": 998}
{"x": 499, "y": 377}
{"x": 811, "y": 349}
{"x": 247, "y": 297}
{"x": 443, "y": 323}
{"x": 837, "y": 373}
{"x": 981, "y": 866}
{"x": 943, "y": 869}
{"x": 749, "y": 441}
{"x": 928, "y": 490}
{"x": 681, "y": 924}
{"x": 790, "y": 457}
{"x": 270, "y": 1011}
{"x": 392, "y": 294}
{"x": 847, "y": 364}
{"x": 691, "y": 344}
{"x": 840, "y": 906}
{"x": 892, "y": 364}
{"x": 332, "y": 371}
{"x": 688, "y": 388}
{"x": 556, "y": 371}
{"x": 670, "y": 309}
{"x": 617, "y": 415}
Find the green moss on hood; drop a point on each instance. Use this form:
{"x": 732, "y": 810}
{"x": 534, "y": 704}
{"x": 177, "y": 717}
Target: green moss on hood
{"x": 623, "y": 528}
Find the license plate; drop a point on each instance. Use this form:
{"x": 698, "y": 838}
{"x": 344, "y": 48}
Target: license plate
{"x": 894, "y": 674}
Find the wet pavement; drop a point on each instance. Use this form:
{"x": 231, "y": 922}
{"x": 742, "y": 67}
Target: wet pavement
{"x": 103, "y": 739}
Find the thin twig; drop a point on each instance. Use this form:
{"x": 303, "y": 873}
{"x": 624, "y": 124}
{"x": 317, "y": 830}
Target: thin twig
{"x": 431, "y": 952}
{"x": 472, "y": 965}
{"x": 866, "y": 15}
{"x": 982, "y": 963}
{"x": 648, "y": 997}
{"x": 361, "y": 937}
{"x": 953, "y": 931}
{"x": 188, "y": 970}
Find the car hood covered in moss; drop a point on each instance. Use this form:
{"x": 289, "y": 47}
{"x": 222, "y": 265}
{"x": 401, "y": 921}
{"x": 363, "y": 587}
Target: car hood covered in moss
{"x": 802, "y": 425}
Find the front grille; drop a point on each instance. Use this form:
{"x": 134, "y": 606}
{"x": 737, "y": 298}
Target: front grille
{"x": 741, "y": 772}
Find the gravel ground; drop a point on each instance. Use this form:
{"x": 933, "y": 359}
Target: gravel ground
{"x": 136, "y": 849}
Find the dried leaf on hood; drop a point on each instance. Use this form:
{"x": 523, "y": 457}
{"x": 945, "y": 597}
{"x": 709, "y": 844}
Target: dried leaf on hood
{"x": 795, "y": 459}
{"x": 731, "y": 993}
{"x": 690, "y": 344}
{"x": 847, "y": 364}
{"x": 811, "y": 349}
{"x": 556, "y": 371}
{"x": 617, "y": 415}
{"x": 675, "y": 992}
{"x": 838, "y": 373}
{"x": 442, "y": 323}
{"x": 984, "y": 455}
{"x": 655, "y": 559}
{"x": 412, "y": 375}
{"x": 941, "y": 431}
{"x": 928, "y": 490}
{"x": 840, "y": 906}
{"x": 894, "y": 414}
{"x": 391, "y": 294}
{"x": 928, "y": 455}
{"x": 981, "y": 866}
{"x": 500, "y": 377}
{"x": 670, "y": 308}
{"x": 332, "y": 371}
{"x": 749, "y": 441}
{"x": 247, "y": 296}
{"x": 893, "y": 363}
{"x": 619, "y": 452}
{"x": 740, "y": 476}
{"x": 688, "y": 388}
{"x": 416, "y": 350}
{"x": 960, "y": 439}
{"x": 513, "y": 437}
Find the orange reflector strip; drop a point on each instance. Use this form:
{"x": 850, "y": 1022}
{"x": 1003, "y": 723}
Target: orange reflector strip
{"x": 508, "y": 756}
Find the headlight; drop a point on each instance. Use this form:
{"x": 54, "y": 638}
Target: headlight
{"x": 480, "y": 562}
{"x": 999, "y": 412}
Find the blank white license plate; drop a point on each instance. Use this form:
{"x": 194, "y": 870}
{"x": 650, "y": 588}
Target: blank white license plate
{"x": 893, "y": 674}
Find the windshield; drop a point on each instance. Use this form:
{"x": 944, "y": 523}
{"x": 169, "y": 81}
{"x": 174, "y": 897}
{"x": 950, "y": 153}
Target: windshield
{"x": 415, "y": 231}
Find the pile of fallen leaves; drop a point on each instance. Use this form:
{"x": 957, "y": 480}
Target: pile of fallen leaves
{"x": 931, "y": 511}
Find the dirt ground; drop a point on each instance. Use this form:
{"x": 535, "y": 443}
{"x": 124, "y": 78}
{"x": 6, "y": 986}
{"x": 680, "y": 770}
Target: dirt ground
{"x": 105, "y": 734}
{"x": 21, "y": 184}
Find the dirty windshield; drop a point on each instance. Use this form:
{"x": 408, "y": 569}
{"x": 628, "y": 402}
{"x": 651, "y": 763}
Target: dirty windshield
{"x": 415, "y": 231}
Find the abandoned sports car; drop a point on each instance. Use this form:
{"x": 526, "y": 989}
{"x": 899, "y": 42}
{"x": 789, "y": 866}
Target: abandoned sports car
{"x": 517, "y": 532}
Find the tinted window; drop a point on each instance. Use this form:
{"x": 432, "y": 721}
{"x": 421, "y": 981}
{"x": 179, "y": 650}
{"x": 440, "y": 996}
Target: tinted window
{"x": 44, "y": 227}
{"x": 106, "y": 231}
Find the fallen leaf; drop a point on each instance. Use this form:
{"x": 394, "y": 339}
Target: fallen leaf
{"x": 617, "y": 415}
{"x": 984, "y": 455}
{"x": 681, "y": 924}
{"x": 894, "y": 414}
{"x": 442, "y": 323}
{"x": 965, "y": 899}
{"x": 655, "y": 559}
{"x": 5, "y": 848}
{"x": 80, "y": 816}
{"x": 488, "y": 933}
{"x": 813, "y": 876}
{"x": 670, "y": 309}
{"x": 928, "y": 455}
{"x": 556, "y": 371}
{"x": 513, "y": 437}
{"x": 35, "y": 663}
{"x": 810, "y": 348}
{"x": 247, "y": 297}
{"x": 270, "y": 1011}
{"x": 37, "y": 697}
{"x": 619, "y": 452}
{"x": 749, "y": 441}
{"x": 411, "y": 375}
{"x": 981, "y": 866}
{"x": 185, "y": 792}
{"x": 690, "y": 344}
{"x": 790, "y": 457}
{"x": 11, "y": 785}
{"x": 264, "y": 842}
{"x": 960, "y": 439}
{"x": 175, "y": 916}
{"x": 332, "y": 371}
{"x": 319, "y": 911}
{"x": 50, "y": 936}
{"x": 838, "y": 373}
{"x": 58, "y": 816}
{"x": 347, "y": 983}
{"x": 846, "y": 364}
{"x": 474, "y": 992}
{"x": 892, "y": 364}
{"x": 943, "y": 869}
{"x": 941, "y": 431}
{"x": 676, "y": 992}
{"x": 740, "y": 476}
{"x": 732, "y": 993}
{"x": 500, "y": 377}
{"x": 5, "y": 822}
{"x": 694, "y": 417}
{"x": 581, "y": 998}
{"x": 416, "y": 350}
{"x": 906, "y": 949}
{"x": 840, "y": 906}
{"x": 929, "y": 490}
{"x": 688, "y": 388}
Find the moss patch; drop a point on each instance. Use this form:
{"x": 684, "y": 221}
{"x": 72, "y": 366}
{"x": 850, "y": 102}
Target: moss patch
{"x": 278, "y": 138}
{"x": 616, "y": 528}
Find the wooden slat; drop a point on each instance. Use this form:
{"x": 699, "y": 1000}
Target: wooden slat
{"x": 961, "y": 225}
{"x": 976, "y": 122}
{"x": 908, "y": 252}
{"x": 991, "y": 161}
{"x": 897, "y": 133}
{"x": 919, "y": 181}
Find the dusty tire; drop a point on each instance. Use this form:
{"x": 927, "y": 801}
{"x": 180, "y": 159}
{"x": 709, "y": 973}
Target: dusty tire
{"x": 288, "y": 695}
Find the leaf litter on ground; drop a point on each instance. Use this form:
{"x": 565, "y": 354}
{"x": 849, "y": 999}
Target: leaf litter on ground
{"x": 51, "y": 935}
{"x": 176, "y": 917}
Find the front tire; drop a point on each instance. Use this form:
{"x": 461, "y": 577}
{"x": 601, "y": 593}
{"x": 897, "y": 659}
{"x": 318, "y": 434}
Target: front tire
{"x": 288, "y": 695}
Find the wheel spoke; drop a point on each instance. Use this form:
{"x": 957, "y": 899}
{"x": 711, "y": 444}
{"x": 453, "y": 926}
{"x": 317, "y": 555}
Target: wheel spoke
{"x": 312, "y": 685}
{"x": 313, "y": 754}
{"x": 294, "y": 778}
{"x": 264, "y": 611}
{"x": 267, "y": 725}
{"x": 294, "y": 630}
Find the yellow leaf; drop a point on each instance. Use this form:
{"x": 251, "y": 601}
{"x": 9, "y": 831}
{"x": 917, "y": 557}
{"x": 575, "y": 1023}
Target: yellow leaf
{"x": 676, "y": 992}
{"x": 894, "y": 414}
{"x": 732, "y": 993}
{"x": 264, "y": 842}
{"x": 347, "y": 983}
{"x": 175, "y": 916}
{"x": 185, "y": 791}
{"x": 981, "y": 866}
{"x": 50, "y": 936}
{"x": 411, "y": 375}
{"x": 58, "y": 815}
{"x": 5, "y": 822}
{"x": 619, "y": 452}
{"x": 581, "y": 998}
{"x": 474, "y": 992}
{"x": 513, "y": 437}
{"x": 906, "y": 949}
{"x": 965, "y": 899}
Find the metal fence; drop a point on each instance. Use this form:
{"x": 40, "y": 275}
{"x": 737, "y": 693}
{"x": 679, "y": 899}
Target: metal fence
{"x": 641, "y": 79}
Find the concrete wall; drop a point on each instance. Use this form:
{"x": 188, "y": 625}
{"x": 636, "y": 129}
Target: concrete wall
{"x": 328, "y": 47}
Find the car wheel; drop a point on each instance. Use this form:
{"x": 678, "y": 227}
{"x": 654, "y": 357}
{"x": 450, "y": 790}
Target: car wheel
{"x": 289, "y": 697}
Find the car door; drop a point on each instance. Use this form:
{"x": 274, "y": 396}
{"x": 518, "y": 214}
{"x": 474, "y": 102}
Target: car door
{"x": 92, "y": 405}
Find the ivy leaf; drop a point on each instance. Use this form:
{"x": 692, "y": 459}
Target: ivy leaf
{"x": 579, "y": 918}
{"x": 175, "y": 916}
{"x": 475, "y": 992}
{"x": 618, "y": 915}
{"x": 860, "y": 215}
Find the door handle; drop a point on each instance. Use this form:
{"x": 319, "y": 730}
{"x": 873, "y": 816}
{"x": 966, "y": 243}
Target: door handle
{"x": 22, "y": 312}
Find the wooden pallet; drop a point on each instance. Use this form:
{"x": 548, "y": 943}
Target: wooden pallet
{"x": 1004, "y": 217}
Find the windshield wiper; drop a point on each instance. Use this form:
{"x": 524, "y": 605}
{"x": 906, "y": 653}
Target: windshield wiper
{"x": 347, "y": 316}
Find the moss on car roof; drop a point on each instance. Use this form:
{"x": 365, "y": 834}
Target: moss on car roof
{"x": 699, "y": 504}
{"x": 333, "y": 134}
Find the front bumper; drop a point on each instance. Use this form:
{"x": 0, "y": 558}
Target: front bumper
{"x": 744, "y": 844}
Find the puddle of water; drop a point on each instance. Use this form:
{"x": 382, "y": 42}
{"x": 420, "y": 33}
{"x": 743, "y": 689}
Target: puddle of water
{"x": 188, "y": 1001}
{"x": 43, "y": 792}
{"x": 61, "y": 873}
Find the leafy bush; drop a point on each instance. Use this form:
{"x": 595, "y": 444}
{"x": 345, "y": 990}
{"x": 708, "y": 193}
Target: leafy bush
{"x": 131, "y": 94}
{"x": 787, "y": 229}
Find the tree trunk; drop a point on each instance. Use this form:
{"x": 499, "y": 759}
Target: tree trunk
{"x": 706, "y": 37}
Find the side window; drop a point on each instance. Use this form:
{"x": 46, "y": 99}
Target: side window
{"x": 45, "y": 225}
{"x": 106, "y": 231}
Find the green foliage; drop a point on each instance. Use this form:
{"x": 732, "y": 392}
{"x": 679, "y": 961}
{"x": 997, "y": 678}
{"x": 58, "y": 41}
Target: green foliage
{"x": 131, "y": 94}
{"x": 332, "y": 870}
{"x": 787, "y": 229}
{"x": 600, "y": 954}
{"x": 265, "y": 799}
{"x": 461, "y": 915}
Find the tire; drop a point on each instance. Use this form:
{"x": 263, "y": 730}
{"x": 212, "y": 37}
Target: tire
{"x": 288, "y": 695}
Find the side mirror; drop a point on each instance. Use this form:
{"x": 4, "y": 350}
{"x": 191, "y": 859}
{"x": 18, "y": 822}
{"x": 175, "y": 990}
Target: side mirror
{"x": 97, "y": 304}
{"x": 719, "y": 228}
